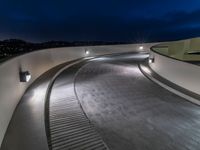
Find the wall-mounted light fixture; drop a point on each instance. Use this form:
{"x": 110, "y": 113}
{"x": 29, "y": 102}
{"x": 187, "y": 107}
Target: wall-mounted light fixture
{"x": 141, "y": 47}
{"x": 25, "y": 76}
{"x": 87, "y": 52}
{"x": 151, "y": 59}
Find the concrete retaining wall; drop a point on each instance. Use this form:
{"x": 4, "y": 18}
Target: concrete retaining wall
{"x": 181, "y": 73}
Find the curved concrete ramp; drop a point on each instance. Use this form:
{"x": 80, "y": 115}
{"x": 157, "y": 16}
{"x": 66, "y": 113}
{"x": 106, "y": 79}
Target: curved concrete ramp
{"x": 104, "y": 103}
{"x": 131, "y": 112}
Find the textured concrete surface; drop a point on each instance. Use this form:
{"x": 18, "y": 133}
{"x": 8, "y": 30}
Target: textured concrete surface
{"x": 69, "y": 127}
{"x": 131, "y": 112}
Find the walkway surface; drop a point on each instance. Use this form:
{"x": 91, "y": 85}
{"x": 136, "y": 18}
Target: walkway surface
{"x": 69, "y": 127}
{"x": 107, "y": 103}
{"x": 131, "y": 112}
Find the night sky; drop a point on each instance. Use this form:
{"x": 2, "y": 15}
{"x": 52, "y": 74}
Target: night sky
{"x": 99, "y": 20}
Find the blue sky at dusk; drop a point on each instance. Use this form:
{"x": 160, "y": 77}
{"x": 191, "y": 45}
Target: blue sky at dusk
{"x": 102, "y": 20}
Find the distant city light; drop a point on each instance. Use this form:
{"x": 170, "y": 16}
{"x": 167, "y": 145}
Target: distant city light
{"x": 141, "y": 48}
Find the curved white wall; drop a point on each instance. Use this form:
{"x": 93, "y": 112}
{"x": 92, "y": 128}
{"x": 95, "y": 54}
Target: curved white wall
{"x": 38, "y": 62}
{"x": 181, "y": 73}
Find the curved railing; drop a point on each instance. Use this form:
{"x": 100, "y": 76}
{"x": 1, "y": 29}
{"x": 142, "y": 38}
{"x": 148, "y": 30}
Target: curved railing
{"x": 38, "y": 62}
{"x": 184, "y": 50}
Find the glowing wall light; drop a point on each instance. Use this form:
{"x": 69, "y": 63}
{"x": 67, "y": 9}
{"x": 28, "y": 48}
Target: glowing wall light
{"x": 151, "y": 59}
{"x": 25, "y": 76}
{"x": 87, "y": 52}
{"x": 141, "y": 47}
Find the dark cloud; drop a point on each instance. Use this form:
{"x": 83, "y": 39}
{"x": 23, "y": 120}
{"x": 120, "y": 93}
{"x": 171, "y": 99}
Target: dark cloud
{"x": 113, "y": 20}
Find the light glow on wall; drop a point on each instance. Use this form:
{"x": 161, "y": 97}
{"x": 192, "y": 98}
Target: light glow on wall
{"x": 141, "y": 47}
{"x": 151, "y": 58}
{"x": 146, "y": 69}
{"x": 87, "y": 52}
